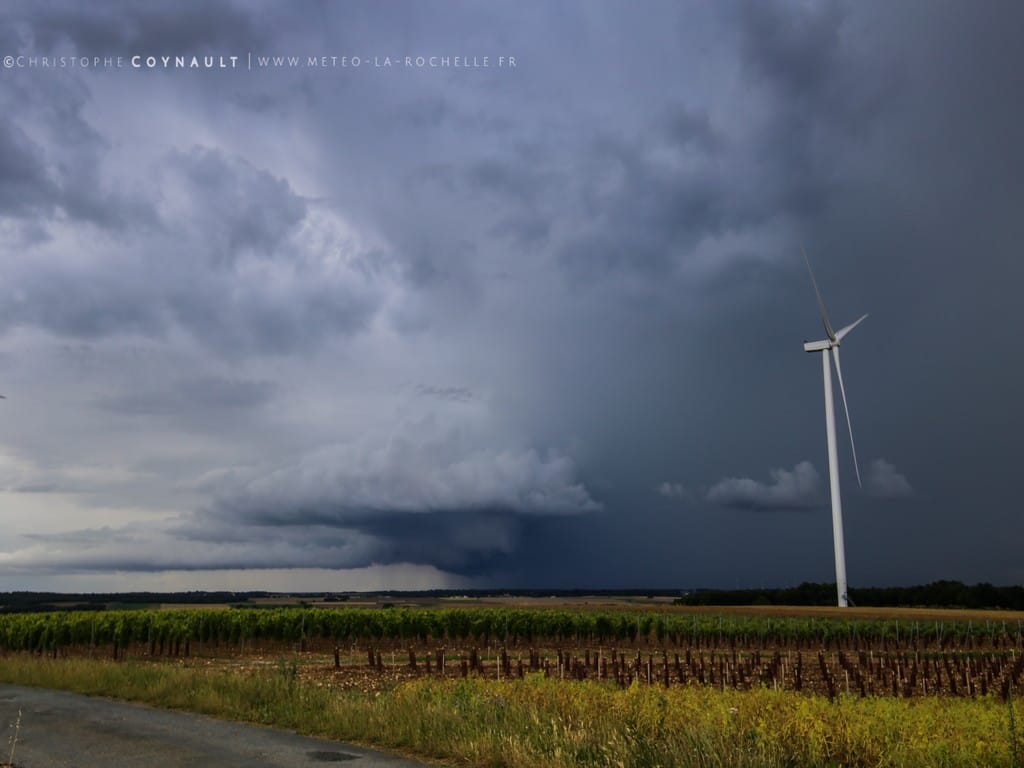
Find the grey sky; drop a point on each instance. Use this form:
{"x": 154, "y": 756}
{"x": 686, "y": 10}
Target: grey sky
{"x": 336, "y": 327}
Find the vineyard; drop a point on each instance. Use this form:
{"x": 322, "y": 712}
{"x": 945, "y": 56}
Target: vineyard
{"x": 373, "y": 647}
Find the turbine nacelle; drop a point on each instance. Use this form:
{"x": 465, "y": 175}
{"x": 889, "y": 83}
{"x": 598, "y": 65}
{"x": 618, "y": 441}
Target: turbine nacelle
{"x": 834, "y": 341}
{"x": 819, "y": 346}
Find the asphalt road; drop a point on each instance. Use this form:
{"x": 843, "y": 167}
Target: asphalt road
{"x": 67, "y": 730}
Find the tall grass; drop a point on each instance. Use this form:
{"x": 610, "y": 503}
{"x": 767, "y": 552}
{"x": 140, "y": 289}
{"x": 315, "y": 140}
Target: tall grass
{"x": 540, "y": 723}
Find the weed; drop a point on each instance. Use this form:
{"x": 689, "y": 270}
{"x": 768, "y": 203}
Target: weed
{"x": 1016, "y": 750}
{"x": 544, "y": 723}
{"x": 12, "y": 742}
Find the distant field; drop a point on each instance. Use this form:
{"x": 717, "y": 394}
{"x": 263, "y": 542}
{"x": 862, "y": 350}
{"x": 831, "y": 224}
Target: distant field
{"x": 657, "y": 604}
{"x": 832, "y": 612}
{"x": 806, "y": 600}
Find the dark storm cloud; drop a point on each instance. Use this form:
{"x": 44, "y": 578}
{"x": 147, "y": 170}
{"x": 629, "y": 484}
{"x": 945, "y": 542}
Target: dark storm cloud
{"x": 454, "y": 394}
{"x": 466, "y": 542}
{"x": 219, "y": 392}
{"x": 225, "y": 260}
{"x": 687, "y": 176}
{"x": 504, "y": 180}
{"x": 37, "y": 488}
{"x": 241, "y": 207}
{"x": 18, "y": 475}
{"x": 104, "y": 535}
{"x": 597, "y": 251}
{"x": 24, "y": 184}
{"x": 686, "y": 128}
{"x": 50, "y": 158}
{"x": 795, "y": 49}
{"x": 193, "y": 395}
{"x": 514, "y": 185}
{"x": 647, "y": 214}
{"x": 828, "y": 79}
{"x": 264, "y": 321}
{"x": 650, "y": 200}
{"x": 127, "y": 28}
{"x": 424, "y": 113}
{"x": 79, "y": 305}
{"x": 818, "y": 88}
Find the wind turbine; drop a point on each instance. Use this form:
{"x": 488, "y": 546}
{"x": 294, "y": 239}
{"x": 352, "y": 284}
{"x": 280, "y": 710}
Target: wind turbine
{"x": 826, "y": 346}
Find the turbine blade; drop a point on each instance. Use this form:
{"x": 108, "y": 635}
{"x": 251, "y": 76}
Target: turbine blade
{"x": 821, "y": 302}
{"x": 849, "y": 426}
{"x": 843, "y": 331}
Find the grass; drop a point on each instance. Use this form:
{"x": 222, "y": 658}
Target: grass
{"x": 540, "y": 723}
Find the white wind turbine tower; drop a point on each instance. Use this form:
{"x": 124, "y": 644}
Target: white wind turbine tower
{"x": 831, "y": 344}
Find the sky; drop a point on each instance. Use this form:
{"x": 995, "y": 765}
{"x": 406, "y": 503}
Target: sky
{"x": 359, "y": 295}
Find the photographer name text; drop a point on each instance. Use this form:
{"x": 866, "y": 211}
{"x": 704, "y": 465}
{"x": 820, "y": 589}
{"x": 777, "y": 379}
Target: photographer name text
{"x": 251, "y": 61}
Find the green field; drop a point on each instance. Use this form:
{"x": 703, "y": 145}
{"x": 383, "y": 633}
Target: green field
{"x": 775, "y": 626}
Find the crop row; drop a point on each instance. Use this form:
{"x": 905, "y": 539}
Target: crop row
{"x": 485, "y": 626}
{"x": 865, "y": 673}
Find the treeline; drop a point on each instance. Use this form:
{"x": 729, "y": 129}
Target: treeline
{"x": 30, "y": 602}
{"x": 527, "y": 592}
{"x": 938, "y": 594}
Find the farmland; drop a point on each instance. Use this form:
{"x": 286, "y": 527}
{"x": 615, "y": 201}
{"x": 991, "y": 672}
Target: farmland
{"x": 595, "y": 682}
{"x": 864, "y": 652}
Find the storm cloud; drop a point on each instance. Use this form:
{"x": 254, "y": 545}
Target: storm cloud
{"x": 494, "y": 325}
